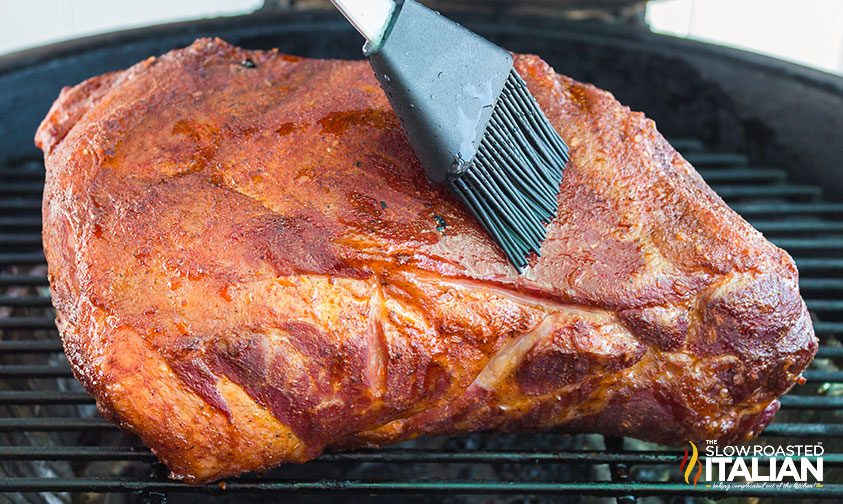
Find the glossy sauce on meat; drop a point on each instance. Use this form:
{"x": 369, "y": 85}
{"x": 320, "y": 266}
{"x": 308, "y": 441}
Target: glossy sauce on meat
{"x": 249, "y": 266}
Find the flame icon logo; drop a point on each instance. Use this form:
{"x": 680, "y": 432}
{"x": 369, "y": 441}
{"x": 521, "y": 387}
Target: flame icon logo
{"x": 688, "y": 466}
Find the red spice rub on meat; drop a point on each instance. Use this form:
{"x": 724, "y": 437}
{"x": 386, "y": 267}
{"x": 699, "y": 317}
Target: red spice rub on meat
{"x": 249, "y": 266}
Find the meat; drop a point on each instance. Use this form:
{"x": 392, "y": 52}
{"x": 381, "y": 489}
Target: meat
{"x": 249, "y": 267}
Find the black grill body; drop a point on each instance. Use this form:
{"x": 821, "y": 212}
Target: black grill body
{"x": 778, "y": 169}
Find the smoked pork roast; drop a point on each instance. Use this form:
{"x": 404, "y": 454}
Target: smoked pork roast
{"x": 249, "y": 266}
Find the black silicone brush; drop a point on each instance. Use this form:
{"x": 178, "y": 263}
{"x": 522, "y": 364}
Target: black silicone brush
{"x": 469, "y": 117}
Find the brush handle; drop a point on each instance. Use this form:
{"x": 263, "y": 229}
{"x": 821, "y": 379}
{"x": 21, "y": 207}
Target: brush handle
{"x": 442, "y": 81}
{"x": 369, "y": 17}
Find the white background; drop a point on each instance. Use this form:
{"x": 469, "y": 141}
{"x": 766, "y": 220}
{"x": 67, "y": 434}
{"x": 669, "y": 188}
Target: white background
{"x": 28, "y": 23}
{"x": 809, "y": 32}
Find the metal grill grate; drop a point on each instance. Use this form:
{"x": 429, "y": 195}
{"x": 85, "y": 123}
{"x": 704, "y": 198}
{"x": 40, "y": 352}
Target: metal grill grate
{"x": 53, "y": 441}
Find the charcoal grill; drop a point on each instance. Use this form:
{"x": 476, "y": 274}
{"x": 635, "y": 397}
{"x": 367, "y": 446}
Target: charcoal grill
{"x": 776, "y": 171}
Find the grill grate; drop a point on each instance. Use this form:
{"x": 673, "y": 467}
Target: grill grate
{"x": 45, "y": 417}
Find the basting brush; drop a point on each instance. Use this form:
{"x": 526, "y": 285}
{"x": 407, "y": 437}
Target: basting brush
{"x": 469, "y": 117}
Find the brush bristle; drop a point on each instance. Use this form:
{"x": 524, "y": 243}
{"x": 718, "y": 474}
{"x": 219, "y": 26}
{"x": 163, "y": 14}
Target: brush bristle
{"x": 513, "y": 181}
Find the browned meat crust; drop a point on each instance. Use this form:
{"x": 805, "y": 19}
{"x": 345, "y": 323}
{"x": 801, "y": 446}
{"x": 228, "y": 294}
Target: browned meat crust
{"x": 248, "y": 267}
